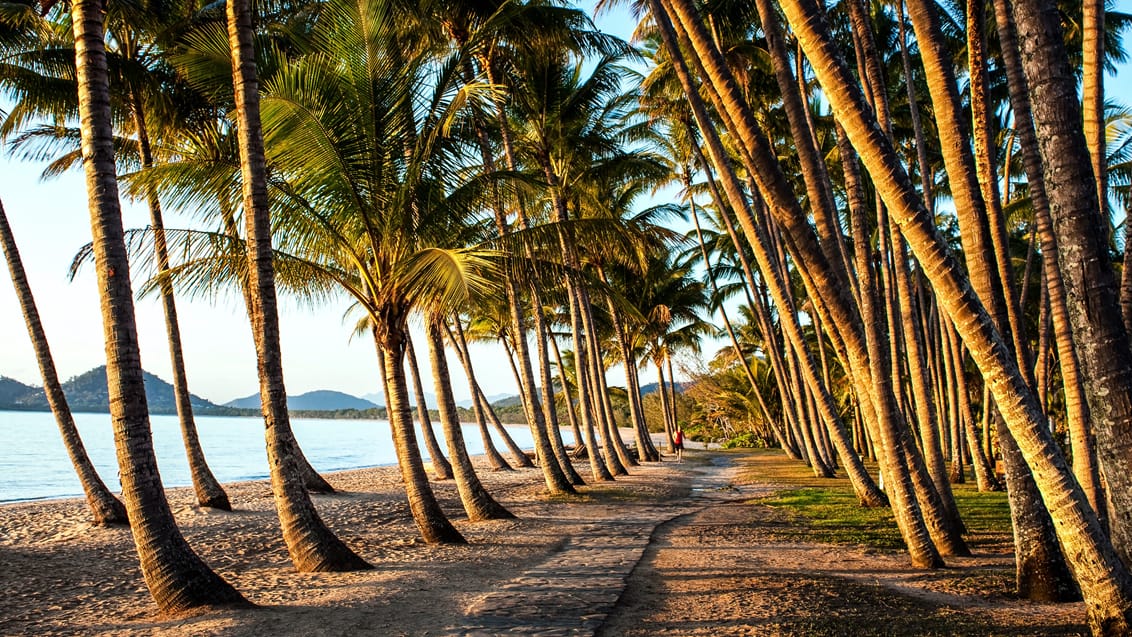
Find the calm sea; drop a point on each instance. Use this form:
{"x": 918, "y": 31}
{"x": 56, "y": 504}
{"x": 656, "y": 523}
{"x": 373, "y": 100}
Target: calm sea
{"x": 34, "y": 464}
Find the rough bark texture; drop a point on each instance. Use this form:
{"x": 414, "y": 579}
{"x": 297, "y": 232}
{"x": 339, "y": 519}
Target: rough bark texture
{"x": 177, "y": 578}
{"x": 478, "y": 503}
{"x": 105, "y": 508}
{"x": 1082, "y": 234}
{"x": 311, "y": 545}
{"x": 441, "y": 467}
{"x": 866, "y": 490}
{"x": 433, "y": 525}
{"x": 207, "y": 488}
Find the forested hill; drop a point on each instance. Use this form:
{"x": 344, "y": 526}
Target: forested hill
{"x": 88, "y": 393}
{"x": 318, "y": 400}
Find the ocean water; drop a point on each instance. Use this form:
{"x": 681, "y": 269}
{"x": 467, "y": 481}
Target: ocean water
{"x": 34, "y": 464}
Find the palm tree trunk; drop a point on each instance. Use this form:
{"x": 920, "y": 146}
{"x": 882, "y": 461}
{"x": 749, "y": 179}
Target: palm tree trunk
{"x": 1078, "y": 417}
{"x": 478, "y": 503}
{"x": 615, "y": 454}
{"x": 312, "y": 546}
{"x": 985, "y": 478}
{"x": 557, "y": 476}
{"x": 568, "y": 398}
{"x": 177, "y": 578}
{"x": 104, "y": 507}
{"x": 1092, "y": 90}
{"x": 433, "y": 525}
{"x": 518, "y": 456}
{"x": 314, "y": 482}
{"x": 479, "y": 402}
{"x": 1082, "y": 233}
{"x": 779, "y": 434}
{"x": 866, "y": 493}
{"x": 550, "y": 405}
{"x": 207, "y": 488}
{"x": 441, "y": 467}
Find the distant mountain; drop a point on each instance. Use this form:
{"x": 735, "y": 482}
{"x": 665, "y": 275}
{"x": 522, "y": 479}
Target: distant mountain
{"x": 430, "y": 399}
{"x": 651, "y": 388}
{"x": 88, "y": 392}
{"x": 12, "y": 391}
{"x": 318, "y": 400}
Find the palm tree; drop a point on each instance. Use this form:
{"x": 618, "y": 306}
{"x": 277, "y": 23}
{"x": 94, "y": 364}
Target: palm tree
{"x": 478, "y": 503}
{"x": 104, "y": 507}
{"x": 312, "y": 546}
{"x": 145, "y": 82}
{"x": 177, "y": 578}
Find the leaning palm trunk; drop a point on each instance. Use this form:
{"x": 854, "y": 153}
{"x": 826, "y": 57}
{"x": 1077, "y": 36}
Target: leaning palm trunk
{"x": 1076, "y": 405}
{"x": 567, "y": 397}
{"x": 1103, "y": 579}
{"x": 1082, "y": 233}
{"x": 550, "y": 408}
{"x": 478, "y": 503}
{"x": 615, "y": 454}
{"x": 866, "y": 490}
{"x": 479, "y": 403}
{"x": 104, "y": 507}
{"x": 830, "y": 295}
{"x": 985, "y": 478}
{"x": 555, "y": 467}
{"x": 433, "y": 525}
{"x": 518, "y": 456}
{"x": 441, "y": 468}
{"x": 176, "y": 577}
{"x": 205, "y": 485}
{"x": 311, "y": 478}
{"x": 311, "y": 545}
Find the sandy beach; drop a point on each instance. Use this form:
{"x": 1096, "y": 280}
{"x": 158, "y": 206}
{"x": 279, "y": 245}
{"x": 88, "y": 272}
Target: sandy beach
{"x": 691, "y": 555}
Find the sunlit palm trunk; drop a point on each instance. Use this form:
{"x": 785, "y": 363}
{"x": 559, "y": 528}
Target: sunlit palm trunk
{"x": 866, "y": 489}
{"x": 311, "y": 478}
{"x": 567, "y": 396}
{"x": 104, "y": 507}
{"x": 205, "y": 485}
{"x": 177, "y": 578}
{"x": 985, "y": 478}
{"x": 518, "y": 456}
{"x": 1092, "y": 92}
{"x": 1104, "y": 581}
{"x": 770, "y": 343}
{"x": 494, "y": 458}
{"x": 543, "y": 342}
{"x": 1076, "y": 406}
{"x": 615, "y": 454}
{"x": 431, "y": 522}
{"x": 441, "y": 468}
{"x": 312, "y": 546}
{"x": 1082, "y": 233}
{"x": 478, "y": 503}
{"x": 555, "y": 465}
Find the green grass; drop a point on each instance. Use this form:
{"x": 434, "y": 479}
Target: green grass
{"x": 827, "y": 509}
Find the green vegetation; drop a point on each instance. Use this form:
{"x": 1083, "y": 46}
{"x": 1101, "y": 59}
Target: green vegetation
{"x": 826, "y": 510}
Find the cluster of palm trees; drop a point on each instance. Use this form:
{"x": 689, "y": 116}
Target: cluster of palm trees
{"x": 907, "y": 271}
{"x": 449, "y": 166}
{"x": 910, "y": 201}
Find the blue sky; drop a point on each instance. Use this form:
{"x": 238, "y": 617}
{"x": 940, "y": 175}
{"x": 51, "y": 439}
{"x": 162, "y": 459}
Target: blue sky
{"x": 51, "y": 223}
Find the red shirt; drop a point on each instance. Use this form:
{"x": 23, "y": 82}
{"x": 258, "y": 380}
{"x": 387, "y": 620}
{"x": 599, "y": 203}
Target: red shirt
{"x": 679, "y": 436}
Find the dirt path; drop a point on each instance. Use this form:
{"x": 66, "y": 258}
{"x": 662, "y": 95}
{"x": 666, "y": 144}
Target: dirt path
{"x": 674, "y": 549}
{"x": 728, "y": 569}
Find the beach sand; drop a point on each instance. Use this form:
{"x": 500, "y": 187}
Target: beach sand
{"x": 710, "y": 567}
